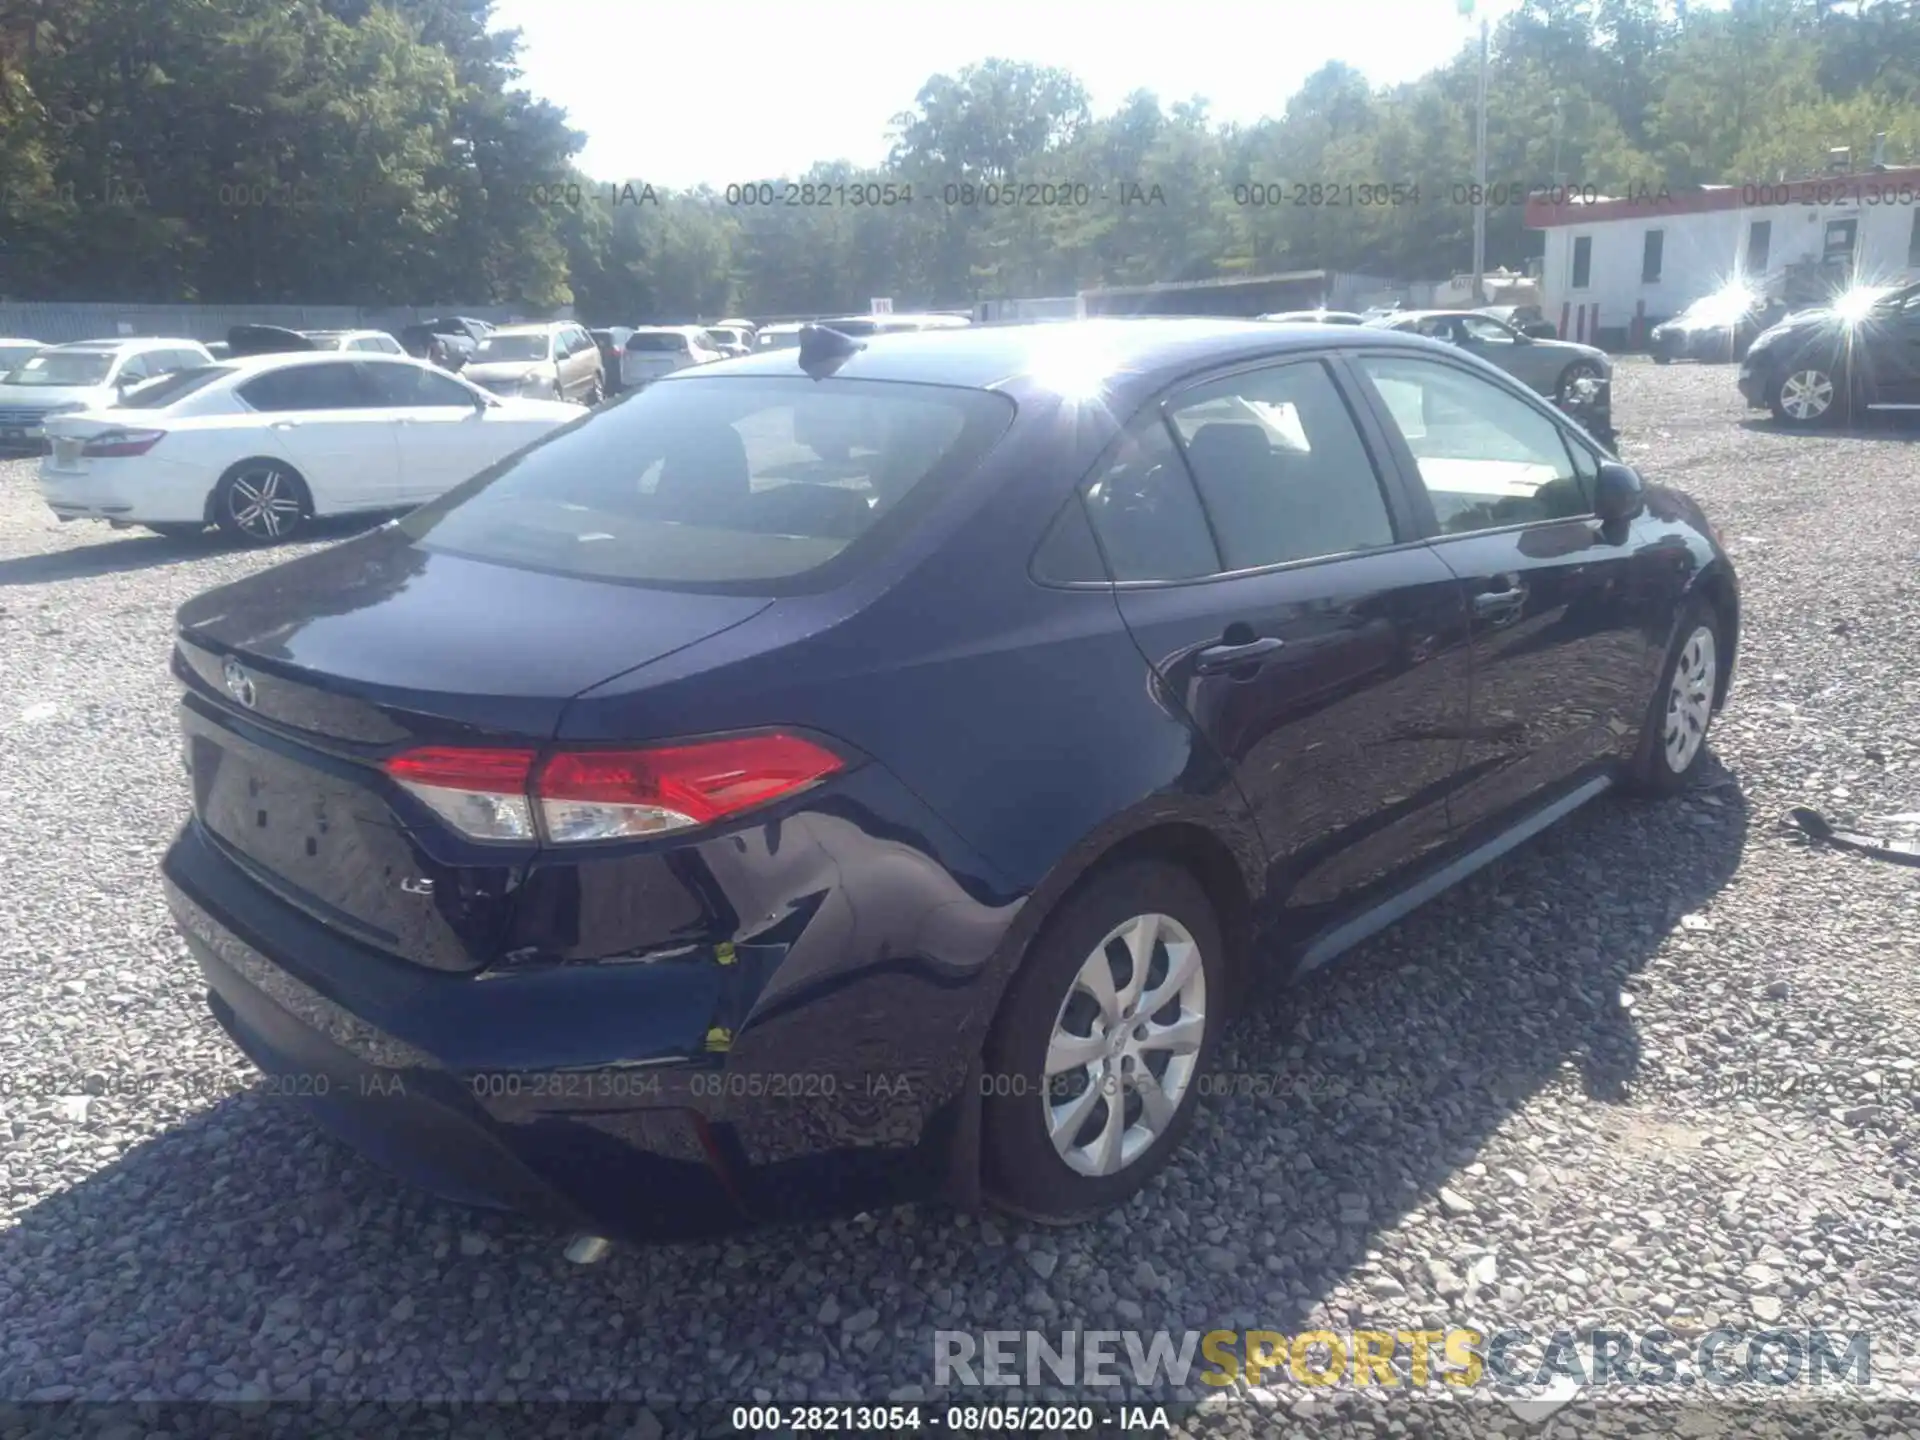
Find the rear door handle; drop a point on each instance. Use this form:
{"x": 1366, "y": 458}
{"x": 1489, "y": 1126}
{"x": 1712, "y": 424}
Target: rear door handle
{"x": 284, "y": 425}
{"x": 1216, "y": 658}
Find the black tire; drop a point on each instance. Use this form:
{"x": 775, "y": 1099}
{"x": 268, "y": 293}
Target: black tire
{"x": 1578, "y": 370}
{"x": 1655, "y": 770}
{"x": 1023, "y": 1172}
{"x": 236, "y": 511}
{"x": 596, "y": 394}
{"x": 1795, "y": 394}
{"x": 177, "y": 529}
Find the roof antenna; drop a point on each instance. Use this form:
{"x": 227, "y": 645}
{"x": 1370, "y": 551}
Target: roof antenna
{"x": 823, "y": 351}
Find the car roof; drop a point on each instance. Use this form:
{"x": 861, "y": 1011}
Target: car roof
{"x": 127, "y": 342}
{"x": 276, "y": 359}
{"x": 670, "y": 329}
{"x": 1130, "y": 356}
{"x": 531, "y": 327}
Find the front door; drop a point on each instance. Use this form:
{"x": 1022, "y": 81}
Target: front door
{"x": 1561, "y": 626}
{"x": 1281, "y": 596}
{"x": 444, "y": 435}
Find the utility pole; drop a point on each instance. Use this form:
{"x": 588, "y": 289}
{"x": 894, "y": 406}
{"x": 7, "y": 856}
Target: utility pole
{"x": 1480, "y": 176}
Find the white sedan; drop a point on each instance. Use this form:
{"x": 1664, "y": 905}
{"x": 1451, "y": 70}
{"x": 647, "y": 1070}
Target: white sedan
{"x": 260, "y": 445}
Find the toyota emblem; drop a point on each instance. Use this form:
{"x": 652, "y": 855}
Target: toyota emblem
{"x": 239, "y": 683}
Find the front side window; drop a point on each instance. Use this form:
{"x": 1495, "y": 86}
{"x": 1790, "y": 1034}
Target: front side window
{"x": 329, "y": 385}
{"x": 734, "y": 485}
{"x": 409, "y": 386}
{"x": 1145, "y": 513}
{"x": 1280, "y": 467}
{"x": 1486, "y": 457}
{"x": 1481, "y": 330}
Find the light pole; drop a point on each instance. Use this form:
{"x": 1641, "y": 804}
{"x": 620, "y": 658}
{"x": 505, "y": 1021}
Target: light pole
{"x": 1479, "y": 167}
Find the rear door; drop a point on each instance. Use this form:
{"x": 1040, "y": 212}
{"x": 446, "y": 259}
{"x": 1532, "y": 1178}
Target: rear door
{"x": 1281, "y": 592}
{"x": 325, "y": 419}
{"x": 1562, "y": 611}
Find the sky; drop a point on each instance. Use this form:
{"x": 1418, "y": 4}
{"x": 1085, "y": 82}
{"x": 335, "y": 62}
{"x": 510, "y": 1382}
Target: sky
{"x": 721, "y": 91}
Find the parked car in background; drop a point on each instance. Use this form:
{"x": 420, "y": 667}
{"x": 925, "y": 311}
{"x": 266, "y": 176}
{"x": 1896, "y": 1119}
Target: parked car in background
{"x": 459, "y": 337}
{"x": 84, "y": 375}
{"x": 861, "y": 325}
{"x": 1315, "y": 317}
{"x": 364, "y": 342}
{"x": 1576, "y": 377}
{"x": 14, "y": 353}
{"x": 220, "y": 349}
{"x": 729, "y": 341}
{"x": 1822, "y": 366}
{"x": 611, "y": 341}
{"x": 275, "y": 339}
{"x": 1717, "y": 327}
{"x": 777, "y": 337}
{"x": 262, "y": 444}
{"x": 656, "y": 350}
{"x": 756, "y": 737}
{"x": 557, "y": 361}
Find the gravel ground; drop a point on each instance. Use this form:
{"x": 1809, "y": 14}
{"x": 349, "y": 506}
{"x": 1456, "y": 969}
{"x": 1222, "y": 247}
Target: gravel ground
{"x": 1658, "y": 1067}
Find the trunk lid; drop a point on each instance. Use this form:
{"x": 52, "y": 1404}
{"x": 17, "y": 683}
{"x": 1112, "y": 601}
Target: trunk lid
{"x": 300, "y": 680}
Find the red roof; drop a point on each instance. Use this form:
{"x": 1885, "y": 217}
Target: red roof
{"x": 1572, "y": 205}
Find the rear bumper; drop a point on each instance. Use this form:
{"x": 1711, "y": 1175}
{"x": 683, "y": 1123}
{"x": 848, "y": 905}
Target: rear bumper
{"x": 504, "y": 1090}
{"x": 136, "y": 491}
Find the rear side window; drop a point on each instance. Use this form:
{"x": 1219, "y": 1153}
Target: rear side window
{"x": 331, "y": 386}
{"x": 1145, "y": 513}
{"x": 158, "y": 394}
{"x": 741, "y": 485}
{"x": 1281, "y": 467}
{"x": 1068, "y": 555}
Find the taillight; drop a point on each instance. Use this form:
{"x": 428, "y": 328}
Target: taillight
{"x": 482, "y": 793}
{"x": 586, "y": 795}
{"x": 111, "y": 444}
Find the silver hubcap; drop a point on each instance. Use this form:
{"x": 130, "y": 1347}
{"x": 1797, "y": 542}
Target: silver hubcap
{"x": 1125, "y": 1045}
{"x": 1574, "y": 377}
{"x": 1806, "y": 394}
{"x": 263, "y": 504}
{"x": 1690, "y": 700}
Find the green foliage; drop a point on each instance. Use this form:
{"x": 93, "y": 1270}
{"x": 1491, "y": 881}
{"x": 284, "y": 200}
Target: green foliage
{"x": 376, "y": 151}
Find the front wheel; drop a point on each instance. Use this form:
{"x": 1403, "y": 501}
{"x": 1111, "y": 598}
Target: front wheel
{"x": 1807, "y": 394}
{"x": 1674, "y": 735}
{"x": 1572, "y": 376}
{"x": 260, "y": 502}
{"x": 1094, "y": 1065}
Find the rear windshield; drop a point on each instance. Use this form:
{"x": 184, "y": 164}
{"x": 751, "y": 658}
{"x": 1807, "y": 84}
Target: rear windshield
{"x": 735, "y": 484}
{"x": 158, "y": 394}
{"x": 57, "y": 367}
{"x": 656, "y": 340}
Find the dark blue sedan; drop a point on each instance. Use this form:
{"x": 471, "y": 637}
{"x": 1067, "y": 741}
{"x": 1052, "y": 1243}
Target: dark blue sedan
{"x": 876, "y": 770}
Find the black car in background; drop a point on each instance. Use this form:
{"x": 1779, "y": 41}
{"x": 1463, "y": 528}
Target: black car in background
{"x": 1825, "y": 365}
{"x": 1716, "y": 327}
{"x": 458, "y": 337}
{"x": 675, "y": 828}
{"x": 612, "y": 342}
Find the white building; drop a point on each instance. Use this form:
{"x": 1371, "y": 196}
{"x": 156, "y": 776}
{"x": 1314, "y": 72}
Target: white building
{"x": 1616, "y": 266}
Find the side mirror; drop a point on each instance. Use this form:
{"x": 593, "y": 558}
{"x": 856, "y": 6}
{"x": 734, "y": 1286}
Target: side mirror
{"x": 1618, "y": 496}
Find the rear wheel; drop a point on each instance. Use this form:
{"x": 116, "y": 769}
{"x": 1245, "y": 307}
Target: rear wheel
{"x": 1092, "y": 1067}
{"x": 1675, "y": 732}
{"x": 261, "y": 502}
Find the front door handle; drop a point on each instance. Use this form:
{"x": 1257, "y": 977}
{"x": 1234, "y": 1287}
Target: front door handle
{"x": 284, "y": 425}
{"x": 1215, "y": 658}
{"x": 1493, "y": 602}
